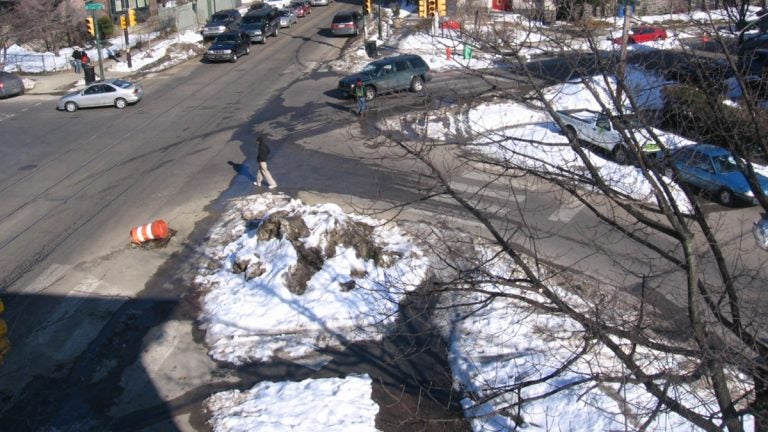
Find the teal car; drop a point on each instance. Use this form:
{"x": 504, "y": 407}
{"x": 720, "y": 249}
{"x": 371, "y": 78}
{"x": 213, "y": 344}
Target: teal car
{"x": 403, "y": 72}
{"x": 715, "y": 170}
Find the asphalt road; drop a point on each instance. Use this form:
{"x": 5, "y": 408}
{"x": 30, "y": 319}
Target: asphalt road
{"x": 102, "y": 333}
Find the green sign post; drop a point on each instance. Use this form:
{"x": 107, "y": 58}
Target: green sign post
{"x": 93, "y": 7}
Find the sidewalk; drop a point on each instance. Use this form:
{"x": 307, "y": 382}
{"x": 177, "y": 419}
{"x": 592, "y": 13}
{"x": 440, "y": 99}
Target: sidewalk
{"x": 59, "y": 83}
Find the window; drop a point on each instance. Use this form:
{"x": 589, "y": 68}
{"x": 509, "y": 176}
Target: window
{"x": 401, "y": 66}
{"x": 603, "y": 122}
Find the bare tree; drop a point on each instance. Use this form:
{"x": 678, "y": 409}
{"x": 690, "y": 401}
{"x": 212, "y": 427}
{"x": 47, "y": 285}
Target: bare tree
{"x": 687, "y": 288}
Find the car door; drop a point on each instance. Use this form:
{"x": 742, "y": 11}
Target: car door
{"x": 92, "y": 96}
{"x": 384, "y": 78}
{"x": 700, "y": 171}
{"x": 402, "y": 75}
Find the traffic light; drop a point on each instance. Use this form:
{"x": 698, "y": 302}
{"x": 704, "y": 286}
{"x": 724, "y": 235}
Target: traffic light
{"x": 367, "y": 7}
{"x": 123, "y": 22}
{"x": 131, "y": 17}
{"x": 90, "y": 25}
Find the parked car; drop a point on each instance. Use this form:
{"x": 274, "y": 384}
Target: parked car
{"x": 602, "y": 131}
{"x": 278, "y": 4}
{"x": 10, "y": 85}
{"x": 220, "y": 22}
{"x": 403, "y": 72}
{"x": 301, "y": 8}
{"x": 347, "y": 23}
{"x": 260, "y": 24}
{"x": 115, "y": 92}
{"x": 320, "y": 2}
{"x": 714, "y": 170}
{"x": 644, "y": 34}
{"x": 287, "y": 18}
{"x": 228, "y": 47}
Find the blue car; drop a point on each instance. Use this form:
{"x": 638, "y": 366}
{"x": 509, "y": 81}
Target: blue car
{"x": 714, "y": 170}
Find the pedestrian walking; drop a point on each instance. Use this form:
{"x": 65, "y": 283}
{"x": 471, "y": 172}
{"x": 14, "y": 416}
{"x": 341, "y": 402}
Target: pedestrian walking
{"x": 76, "y": 62}
{"x": 360, "y": 96}
{"x": 261, "y": 157}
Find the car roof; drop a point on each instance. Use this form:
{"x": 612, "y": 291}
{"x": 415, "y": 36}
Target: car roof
{"x": 394, "y": 58}
{"x": 710, "y": 149}
{"x": 262, "y": 11}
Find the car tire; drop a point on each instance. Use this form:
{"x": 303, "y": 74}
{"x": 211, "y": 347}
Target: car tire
{"x": 70, "y": 107}
{"x": 725, "y": 197}
{"x": 570, "y": 133}
{"x": 417, "y": 84}
{"x": 370, "y": 93}
{"x": 233, "y": 59}
{"x": 620, "y": 155}
{"x": 120, "y": 103}
{"x": 277, "y": 31}
{"x": 248, "y": 49}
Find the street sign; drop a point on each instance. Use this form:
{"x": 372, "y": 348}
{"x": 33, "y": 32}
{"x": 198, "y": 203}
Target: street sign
{"x": 93, "y": 6}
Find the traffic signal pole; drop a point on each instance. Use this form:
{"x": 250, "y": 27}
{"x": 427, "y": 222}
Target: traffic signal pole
{"x": 125, "y": 34}
{"x": 98, "y": 44}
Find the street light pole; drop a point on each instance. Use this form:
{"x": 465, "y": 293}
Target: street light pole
{"x": 125, "y": 35}
{"x": 93, "y": 7}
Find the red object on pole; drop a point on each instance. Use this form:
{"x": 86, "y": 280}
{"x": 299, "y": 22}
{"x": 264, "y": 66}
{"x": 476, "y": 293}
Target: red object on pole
{"x": 448, "y": 53}
{"x": 152, "y": 231}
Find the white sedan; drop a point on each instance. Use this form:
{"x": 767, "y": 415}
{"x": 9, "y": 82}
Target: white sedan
{"x": 115, "y": 92}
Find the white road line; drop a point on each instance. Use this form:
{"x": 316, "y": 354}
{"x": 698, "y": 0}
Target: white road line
{"x": 47, "y": 278}
{"x": 567, "y": 211}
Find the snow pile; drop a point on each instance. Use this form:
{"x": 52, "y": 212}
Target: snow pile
{"x": 327, "y": 405}
{"x": 499, "y": 342}
{"x": 289, "y": 278}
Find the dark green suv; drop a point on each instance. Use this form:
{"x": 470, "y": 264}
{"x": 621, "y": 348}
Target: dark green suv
{"x": 403, "y": 72}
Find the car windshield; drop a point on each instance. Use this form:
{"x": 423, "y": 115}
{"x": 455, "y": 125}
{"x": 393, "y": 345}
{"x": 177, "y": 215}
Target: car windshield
{"x": 226, "y": 39}
{"x": 219, "y": 18}
{"x": 285, "y": 12}
{"x": 725, "y": 163}
{"x": 342, "y": 18}
{"x": 251, "y": 20}
{"x": 372, "y": 68}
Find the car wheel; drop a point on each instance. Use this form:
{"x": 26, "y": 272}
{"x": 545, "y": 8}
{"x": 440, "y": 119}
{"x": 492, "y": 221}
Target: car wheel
{"x": 570, "y": 133}
{"x": 233, "y": 58}
{"x": 70, "y": 107}
{"x": 370, "y": 93}
{"x": 620, "y": 154}
{"x": 725, "y": 196}
{"x": 120, "y": 103}
{"x": 417, "y": 84}
{"x": 277, "y": 31}
{"x": 248, "y": 50}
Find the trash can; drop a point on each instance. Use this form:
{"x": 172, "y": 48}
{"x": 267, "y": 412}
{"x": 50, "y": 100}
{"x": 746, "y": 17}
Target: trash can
{"x": 467, "y": 52}
{"x": 90, "y": 74}
{"x": 371, "y": 49}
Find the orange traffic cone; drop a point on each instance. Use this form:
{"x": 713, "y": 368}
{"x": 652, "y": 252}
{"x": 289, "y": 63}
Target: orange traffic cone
{"x": 153, "y": 231}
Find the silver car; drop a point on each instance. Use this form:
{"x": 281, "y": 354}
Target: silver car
{"x": 115, "y": 92}
{"x": 10, "y": 85}
{"x": 287, "y": 18}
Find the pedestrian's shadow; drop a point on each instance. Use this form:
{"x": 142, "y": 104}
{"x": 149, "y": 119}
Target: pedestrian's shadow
{"x": 243, "y": 170}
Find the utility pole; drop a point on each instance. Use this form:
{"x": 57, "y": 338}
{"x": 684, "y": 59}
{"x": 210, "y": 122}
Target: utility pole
{"x": 621, "y": 73}
{"x": 125, "y": 35}
{"x": 93, "y": 7}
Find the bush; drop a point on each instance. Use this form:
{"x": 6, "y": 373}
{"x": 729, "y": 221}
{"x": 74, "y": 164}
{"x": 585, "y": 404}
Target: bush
{"x": 703, "y": 117}
{"x": 106, "y": 27}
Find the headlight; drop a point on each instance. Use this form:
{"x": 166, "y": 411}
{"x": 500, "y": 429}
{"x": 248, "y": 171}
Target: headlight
{"x": 257, "y": 32}
{"x": 749, "y": 193}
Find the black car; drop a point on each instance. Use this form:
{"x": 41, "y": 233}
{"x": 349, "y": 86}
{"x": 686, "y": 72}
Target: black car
{"x": 261, "y": 23}
{"x": 347, "y": 23}
{"x": 389, "y": 74}
{"x": 228, "y": 47}
{"x": 220, "y": 22}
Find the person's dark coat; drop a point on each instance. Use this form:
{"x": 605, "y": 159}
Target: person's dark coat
{"x": 263, "y": 152}
{"x": 77, "y": 55}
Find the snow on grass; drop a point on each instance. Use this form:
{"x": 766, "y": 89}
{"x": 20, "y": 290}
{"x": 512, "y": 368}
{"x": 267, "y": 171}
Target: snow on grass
{"x": 250, "y": 320}
{"x": 327, "y": 405}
